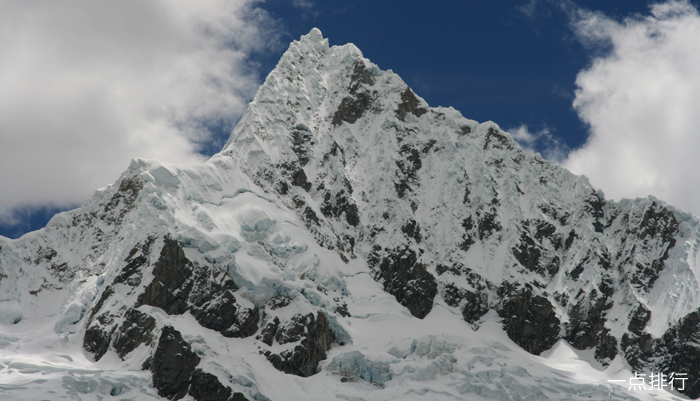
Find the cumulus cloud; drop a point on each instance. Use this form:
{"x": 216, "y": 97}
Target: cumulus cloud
{"x": 541, "y": 141}
{"x": 86, "y": 86}
{"x": 641, "y": 99}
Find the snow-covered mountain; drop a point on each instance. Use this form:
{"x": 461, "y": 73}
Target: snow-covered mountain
{"x": 352, "y": 242}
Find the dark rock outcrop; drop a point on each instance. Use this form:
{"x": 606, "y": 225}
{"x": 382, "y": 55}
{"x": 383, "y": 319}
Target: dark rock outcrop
{"x": 640, "y": 318}
{"x": 488, "y": 225}
{"x": 136, "y": 329}
{"x": 123, "y": 200}
{"x": 496, "y": 139}
{"x": 475, "y": 307}
{"x": 339, "y": 205}
{"x": 530, "y": 321}
{"x": 302, "y": 140}
{"x": 586, "y": 326}
{"x": 131, "y": 274}
{"x": 315, "y": 338}
{"x": 405, "y": 278}
{"x": 352, "y": 108}
{"x": 207, "y": 387}
{"x": 637, "y": 349}
{"x": 408, "y": 166}
{"x": 677, "y": 352}
{"x": 536, "y": 250}
{"x": 175, "y": 372}
{"x": 173, "y": 365}
{"x": 360, "y": 75}
{"x": 98, "y": 336}
{"x": 658, "y": 226}
{"x": 267, "y": 334}
{"x": 179, "y": 286}
{"x": 409, "y": 104}
{"x": 468, "y": 236}
{"x": 606, "y": 349}
{"x": 171, "y": 280}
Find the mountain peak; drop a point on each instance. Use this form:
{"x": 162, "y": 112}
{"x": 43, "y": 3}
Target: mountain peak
{"x": 320, "y": 87}
{"x": 314, "y": 36}
{"x": 350, "y": 232}
{"x": 312, "y": 42}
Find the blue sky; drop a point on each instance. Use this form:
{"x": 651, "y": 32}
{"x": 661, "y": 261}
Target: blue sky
{"x": 511, "y": 62}
{"x": 535, "y": 67}
{"x": 490, "y": 60}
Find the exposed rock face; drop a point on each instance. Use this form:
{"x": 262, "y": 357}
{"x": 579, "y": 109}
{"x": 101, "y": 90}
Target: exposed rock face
{"x": 678, "y": 351}
{"x": 171, "y": 282}
{"x": 530, "y": 321}
{"x": 124, "y": 199}
{"x": 586, "y": 327}
{"x": 178, "y": 286}
{"x": 475, "y": 307}
{"x": 639, "y": 319}
{"x": 637, "y": 349}
{"x": 97, "y": 337}
{"x": 537, "y": 250}
{"x": 360, "y": 75}
{"x": 137, "y": 329}
{"x": 206, "y": 387}
{"x": 314, "y": 337}
{"x": 658, "y": 226}
{"x": 409, "y": 104}
{"x": 175, "y": 373}
{"x": 173, "y": 365}
{"x": 406, "y": 279}
{"x": 354, "y": 106}
{"x": 606, "y": 349}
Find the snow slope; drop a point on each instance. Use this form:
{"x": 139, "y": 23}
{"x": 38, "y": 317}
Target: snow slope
{"x": 350, "y": 242}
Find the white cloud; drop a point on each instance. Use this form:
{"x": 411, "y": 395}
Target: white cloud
{"x": 307, "y": 4}
{"x": 541, "y": 141}
{"x": 86, "y": 86}
{"x": 642, "y": 102}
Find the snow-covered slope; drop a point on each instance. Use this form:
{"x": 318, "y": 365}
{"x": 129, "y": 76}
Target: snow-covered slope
{"x": 351, "y": 242}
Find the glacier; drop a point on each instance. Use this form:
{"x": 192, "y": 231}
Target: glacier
{"x": 351, "y": 242}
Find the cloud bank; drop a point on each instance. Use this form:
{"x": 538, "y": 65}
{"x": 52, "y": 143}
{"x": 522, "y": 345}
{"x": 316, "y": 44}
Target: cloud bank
{"x": 86, "y": 86}
{"x": 641, "y": 99}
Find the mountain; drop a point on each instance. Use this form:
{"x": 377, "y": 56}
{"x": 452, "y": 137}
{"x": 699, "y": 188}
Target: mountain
{"x": 352, "y": 242}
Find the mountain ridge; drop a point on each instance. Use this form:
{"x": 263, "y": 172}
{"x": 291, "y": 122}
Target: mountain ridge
{"x": 339, "y": 181}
